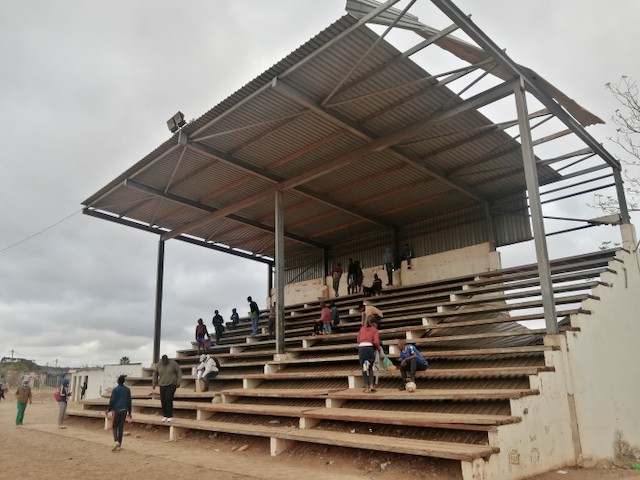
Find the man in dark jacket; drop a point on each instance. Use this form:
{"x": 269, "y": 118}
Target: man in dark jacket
{"x": 120, "y": 405}
{"x": 168, "y": 375}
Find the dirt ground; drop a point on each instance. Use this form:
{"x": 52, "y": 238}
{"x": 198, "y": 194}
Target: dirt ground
{"x": 39, "y": 450}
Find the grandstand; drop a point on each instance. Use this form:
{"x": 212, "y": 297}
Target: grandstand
{"x": 348, "y": 145}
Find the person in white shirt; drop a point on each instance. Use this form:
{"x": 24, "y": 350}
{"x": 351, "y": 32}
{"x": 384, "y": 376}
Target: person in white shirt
{"x": 207, "y": 370}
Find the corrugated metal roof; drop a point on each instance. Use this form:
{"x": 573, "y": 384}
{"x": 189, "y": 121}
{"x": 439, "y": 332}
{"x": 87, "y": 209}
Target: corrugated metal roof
{"x": 268, "y": 132}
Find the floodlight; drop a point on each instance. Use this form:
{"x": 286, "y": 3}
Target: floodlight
{"x": 176, "y": 122}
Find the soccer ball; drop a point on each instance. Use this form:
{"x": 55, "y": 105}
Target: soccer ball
{"x": 411, "y": 387}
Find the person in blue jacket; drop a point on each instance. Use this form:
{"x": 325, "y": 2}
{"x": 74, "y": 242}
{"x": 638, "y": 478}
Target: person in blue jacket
{"x": 120, "y": 405}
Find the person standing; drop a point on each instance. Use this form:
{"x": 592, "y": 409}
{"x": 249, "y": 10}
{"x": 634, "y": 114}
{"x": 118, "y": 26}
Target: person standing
{"x": 359, "y": 277}
{"x": 201, "y": 334}
{"x": 23, "y": 395}
{"x": 387, "y": 261}
{"x": 218, "y": 324}
{"x": 83, "y": 390}
{"x": 254, "y": 314}
{"x": 167, "y": 375}
{"x": 336, "y": 275}
{"x": 411, "y": 360}
{"x": 351, "y": 277}
{"x": 62, "y": 403}
{"x": 368, "y": 343}
{"x": 120, "y": 405}
{"x": 235, "y": 318}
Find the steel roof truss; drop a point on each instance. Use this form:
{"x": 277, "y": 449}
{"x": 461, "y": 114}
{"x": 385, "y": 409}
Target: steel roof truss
{"x": 276, "y": 179}
{"x": 369, "y": 50}
{"x": 406, "y": 54}
{"x": 496, "y": 93}
{"x": 304, "y": 100}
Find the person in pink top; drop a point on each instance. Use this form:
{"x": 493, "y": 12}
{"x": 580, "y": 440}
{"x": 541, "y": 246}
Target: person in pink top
{"x": 368, "y": 343}
{"x": 323, "y": 324}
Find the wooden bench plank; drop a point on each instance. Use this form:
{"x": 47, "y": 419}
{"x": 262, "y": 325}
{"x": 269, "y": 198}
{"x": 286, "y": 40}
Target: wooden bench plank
{"x": 416, "y": 419}
{"x": 427, "y": 394}
{"x": 427, "y": 448}
{"x": 247, "y": 409}
{"x": 430, "y": 373}
{"x": 279, "y": 392}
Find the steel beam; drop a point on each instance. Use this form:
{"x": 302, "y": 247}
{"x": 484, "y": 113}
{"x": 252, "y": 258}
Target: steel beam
{"x": 157, "y": 324}
{"x": 182, "y": 238}
{"x": 382, "y": 143}
{"x": 304, "y": 100}
{"x": 206, "y": 208}
{"x": 533, "y": 189}
{"x": 280, "y": 259}
{"x": 501, "y": 57}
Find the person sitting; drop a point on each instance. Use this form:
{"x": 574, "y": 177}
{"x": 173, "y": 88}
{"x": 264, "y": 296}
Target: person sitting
{"x": 411, "y": 360}
{"x": 407, "y": 254}
{"x": 234, "y": 317}
{"x": 321, "y": 324}
{"x": 375, "y": 288}
{"x": 207, "y": 369}
{"x": 335, "y": 314}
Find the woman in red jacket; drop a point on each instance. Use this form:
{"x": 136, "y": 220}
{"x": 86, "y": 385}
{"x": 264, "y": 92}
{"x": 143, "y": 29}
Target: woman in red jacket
{"x": 368, "y": 343}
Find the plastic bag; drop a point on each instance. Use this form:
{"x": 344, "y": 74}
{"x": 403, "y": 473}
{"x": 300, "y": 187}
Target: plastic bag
{"x": 386, "y": 363}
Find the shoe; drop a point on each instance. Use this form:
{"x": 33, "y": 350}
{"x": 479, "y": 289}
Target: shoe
{"x": 169, "y": 419}
{"x": 402, "y": 388}
{"x": 61, "y": 427}
{"x": 116, "y": 447}
{"x": 164, "y": 419}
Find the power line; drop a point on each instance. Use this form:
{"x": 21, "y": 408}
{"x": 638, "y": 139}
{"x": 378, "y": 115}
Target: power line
{"x": 40, "y": 232}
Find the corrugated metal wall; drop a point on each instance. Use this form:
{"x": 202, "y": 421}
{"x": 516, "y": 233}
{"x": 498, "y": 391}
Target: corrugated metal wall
{"x": 434, "y": 235}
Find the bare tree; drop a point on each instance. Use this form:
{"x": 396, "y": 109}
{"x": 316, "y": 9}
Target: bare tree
{"x": 125, "y": 361}
{"x": 626, "y": 118}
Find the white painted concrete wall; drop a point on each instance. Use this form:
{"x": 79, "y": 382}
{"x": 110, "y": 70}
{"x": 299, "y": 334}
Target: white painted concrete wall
{"x": 454, "y": 263}
{"x": 604, "y": 361}
{"x": 463, "y": 261}
{"x": 543, "y": 440}
{"x": 99, "y": 379}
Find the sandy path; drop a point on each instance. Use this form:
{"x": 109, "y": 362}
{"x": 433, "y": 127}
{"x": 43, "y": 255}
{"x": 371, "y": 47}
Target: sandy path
{"x": 39, "y": 450}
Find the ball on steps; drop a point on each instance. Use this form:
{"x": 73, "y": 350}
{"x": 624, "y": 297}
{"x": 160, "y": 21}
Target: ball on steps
{"x": 410, "y": 387}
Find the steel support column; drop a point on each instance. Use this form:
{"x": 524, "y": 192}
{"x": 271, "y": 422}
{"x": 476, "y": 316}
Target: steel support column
{"x": 533, "y": 190}
{"x": 270, "y": 278}
{"x": 279, "y": 240}
{"x": 157, "y": 327}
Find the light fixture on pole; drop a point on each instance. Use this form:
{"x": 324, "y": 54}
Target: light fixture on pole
{"x": 176, "y": 122}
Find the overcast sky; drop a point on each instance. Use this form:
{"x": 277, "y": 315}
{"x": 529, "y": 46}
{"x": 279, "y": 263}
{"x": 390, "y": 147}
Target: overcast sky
{"x": 85, "y": 90}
